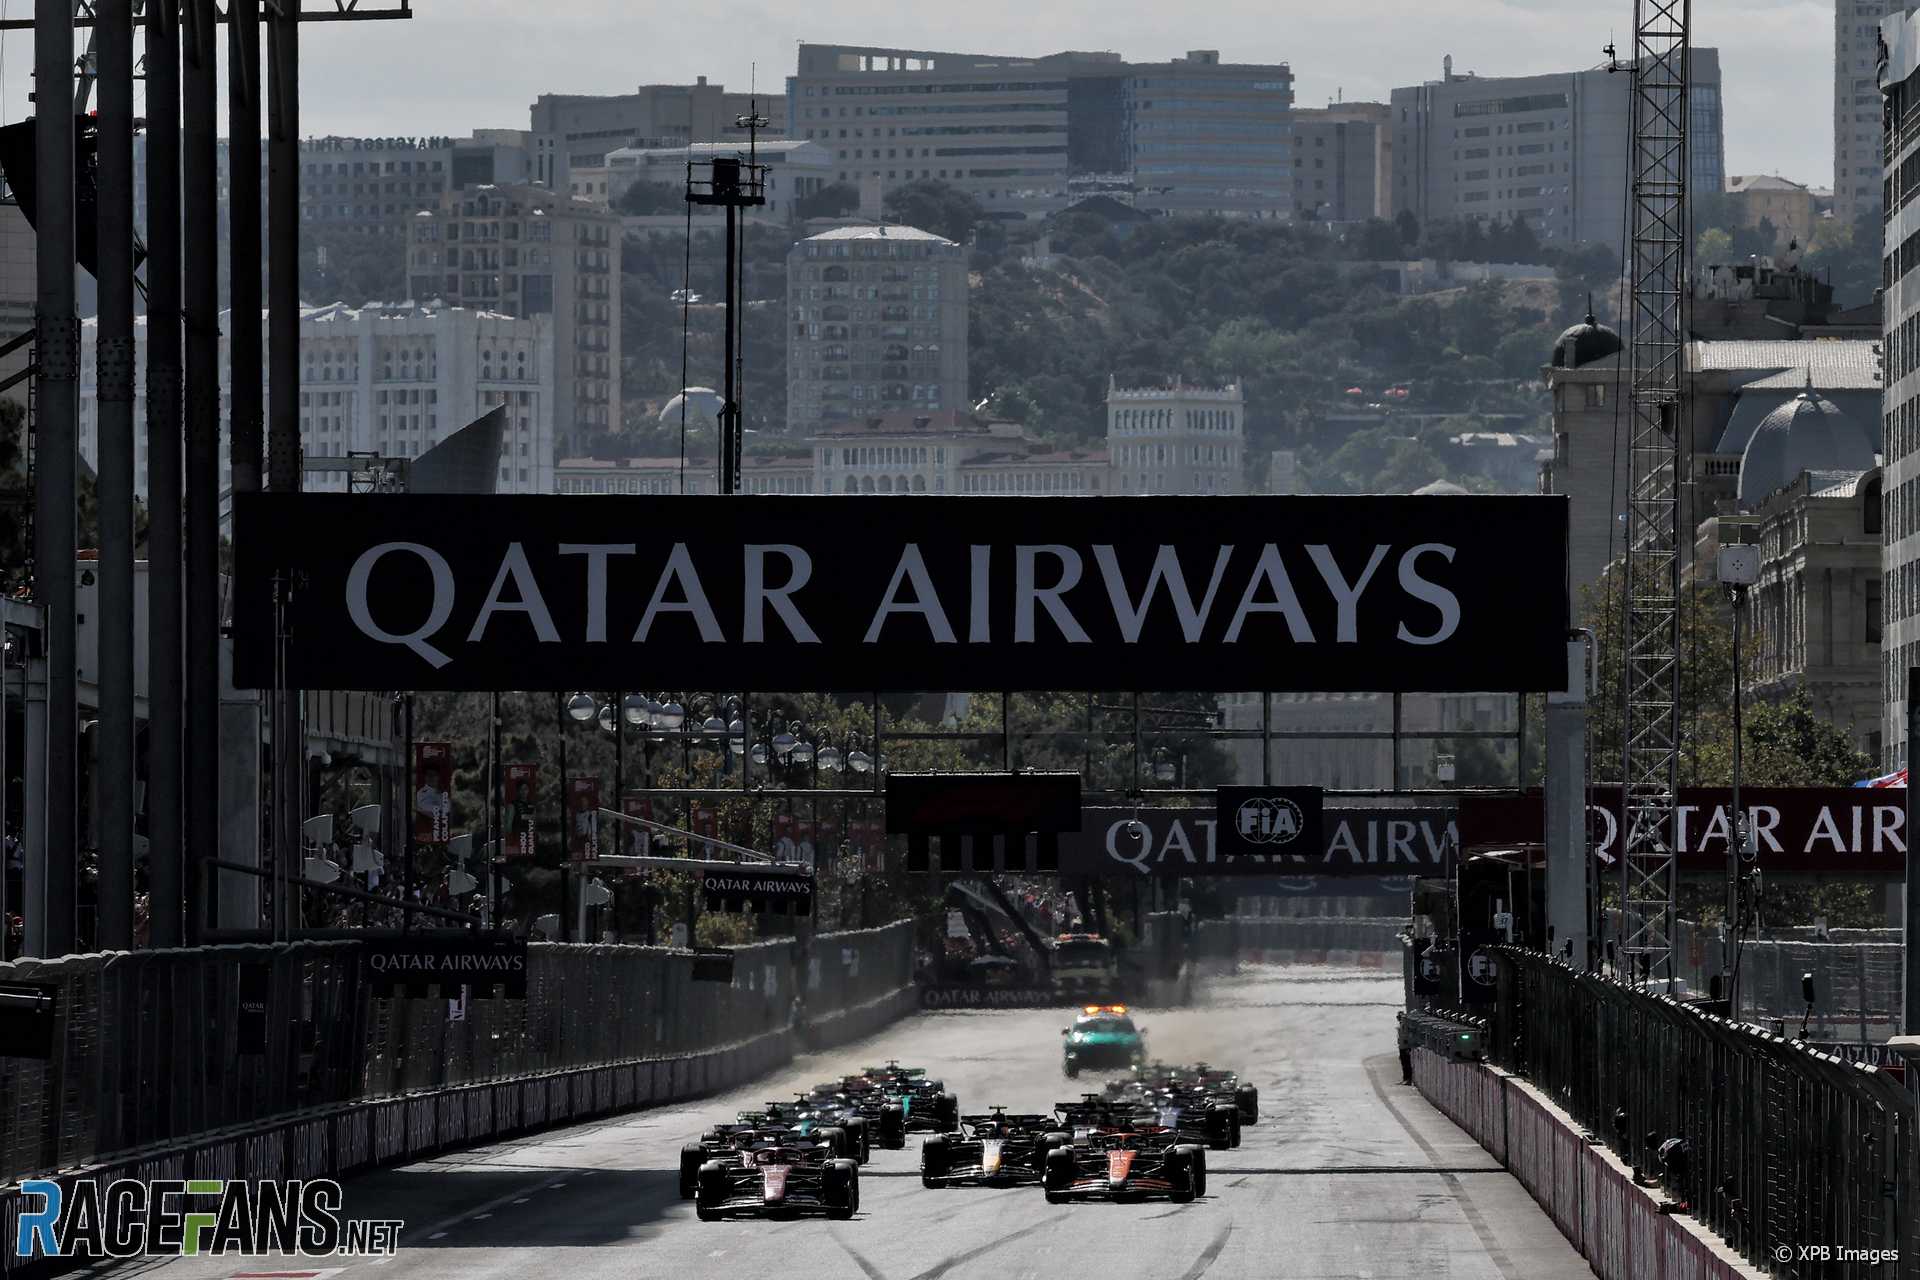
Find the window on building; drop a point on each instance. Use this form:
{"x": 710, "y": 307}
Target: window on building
{"x": 1873, "y": 611}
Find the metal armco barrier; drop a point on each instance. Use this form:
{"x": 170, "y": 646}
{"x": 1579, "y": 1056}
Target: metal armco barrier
{"x": 1788, "y": 1147}
{"x": 146, "y": 1052}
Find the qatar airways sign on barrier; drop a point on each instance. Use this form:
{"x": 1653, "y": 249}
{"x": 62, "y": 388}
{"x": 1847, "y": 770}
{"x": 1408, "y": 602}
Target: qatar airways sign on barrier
{"x": 1426, "y": 594}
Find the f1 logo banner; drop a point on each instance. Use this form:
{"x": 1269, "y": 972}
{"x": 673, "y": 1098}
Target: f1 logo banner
{"x": 1268, "y": 821}
{"x": 1436, "y": 594}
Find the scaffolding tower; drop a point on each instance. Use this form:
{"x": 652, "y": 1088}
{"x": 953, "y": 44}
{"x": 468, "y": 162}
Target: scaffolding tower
{"x": 1657, "y": 354}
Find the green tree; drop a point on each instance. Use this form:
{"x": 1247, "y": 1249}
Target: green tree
{"x": 1714, "y": 245}
{"x": 932, "y": 205}
{"x": 830, "y": 201}
{"x": 352, "y": 266}
{"x": 647, "y": 199}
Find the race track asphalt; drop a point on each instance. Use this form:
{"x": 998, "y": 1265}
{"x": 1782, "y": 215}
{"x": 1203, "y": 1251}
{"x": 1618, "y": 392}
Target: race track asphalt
{"x": 1349, "y": 1176}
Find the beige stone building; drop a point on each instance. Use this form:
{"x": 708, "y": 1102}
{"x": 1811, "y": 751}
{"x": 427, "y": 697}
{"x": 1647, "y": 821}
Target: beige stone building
{"x": 1814, "y": 621}
{"x": 525, "y": 251}
{"x": 1787, "y": 204}
{"x": 877, "y": 325}
{"x": 1734, "y": 384}
{"x": 1177, "y": 438}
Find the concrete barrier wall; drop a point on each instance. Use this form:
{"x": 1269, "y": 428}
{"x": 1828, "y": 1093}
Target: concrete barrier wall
{"x": 1616, "y": 1225}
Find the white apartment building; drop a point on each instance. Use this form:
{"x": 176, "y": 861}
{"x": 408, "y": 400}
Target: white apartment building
{"x": 1900, "y": 408}
{"x": 1857, "y": 132}
{"x": 1551, "y": 149}
{"x": 1177, "y": 439}
{"x": 394, "y": 381}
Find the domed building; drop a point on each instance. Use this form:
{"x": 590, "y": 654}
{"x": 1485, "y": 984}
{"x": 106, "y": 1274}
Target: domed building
{"x": 1585, "y": 343}
{"x": 702, "y": 410}
{"x": 1809, "y": 433}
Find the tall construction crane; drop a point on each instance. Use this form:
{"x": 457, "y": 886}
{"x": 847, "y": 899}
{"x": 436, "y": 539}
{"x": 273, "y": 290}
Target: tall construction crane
{"x": 1656, "y": 306}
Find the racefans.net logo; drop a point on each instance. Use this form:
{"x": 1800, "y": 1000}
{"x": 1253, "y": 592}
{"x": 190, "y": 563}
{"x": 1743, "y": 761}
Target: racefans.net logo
{"x": 195, "y": 1217}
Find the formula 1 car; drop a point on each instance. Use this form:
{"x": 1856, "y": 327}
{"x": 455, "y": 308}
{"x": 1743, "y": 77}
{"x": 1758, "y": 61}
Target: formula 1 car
{"x": 1219, "y": 1081}
{"x": 780, "y": 1122}
{"x": 1126, "y": 1165}
{"x": 825, "y": 1112}
{"x": 778, "y": 1179}
{"x": 995, "y": 1149}
{"x": 896, "y": 1100}
{"x": 1126, "y": 1106}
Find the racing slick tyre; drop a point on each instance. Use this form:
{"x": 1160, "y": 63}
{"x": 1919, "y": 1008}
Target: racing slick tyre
{"x": 856, "y": 1128}
{"x": 1072, "y": 1070}
{"x": 692, "y": 1156}
{"x": 712, "y": 1191}
{"x": 838, "y": 1140}
{"x": 1059, "y": 1175}
{"x": 1235, "y": 1126}
{"x": 1220, "y": 1129}
{"x": 1247, "y": 1099}
{"x": 933, "y": 1161}
{"x": 1053, "y": 1140}
{"x": 946, "y": 1110}
{"x": 1197, "y": 1160}
{"x": 840, "y": 1186}
{"x": 893, "y": 1127}
{"x": 1181, "y": 1173}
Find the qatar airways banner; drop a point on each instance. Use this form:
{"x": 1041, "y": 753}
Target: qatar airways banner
{"x": 1858, "y": 831}
{"x": 1444, "y": 593}
{"x": 1358, "y": 843}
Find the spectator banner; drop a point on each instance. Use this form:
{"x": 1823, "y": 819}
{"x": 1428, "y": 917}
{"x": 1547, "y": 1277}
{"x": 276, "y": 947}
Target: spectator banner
{"x": 522, "y": 792}
{"x": 1100, "y": 593}
{"x": 583, "y": 817}
{"x": 432, "y": 792}
{"x": 634, "y": 839}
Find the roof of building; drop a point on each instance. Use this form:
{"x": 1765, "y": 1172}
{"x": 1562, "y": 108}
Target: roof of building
{"x": 1751, "y": 408}
{"x": 1584, "y": 343}
{"x": 880, "y": 231}
{"x": 1441, "y": 487}
{"x": 1737, "y": 183}
{"x": 1806, "y": 434}
{"x": 1835, "y": 364}
{"x": 948, "y": 422}
{"x": 1014, "y": 457}
{"x": 702, "y": 403}
{"x": 1835, "y": 484}
{"x": 765, "y": 146}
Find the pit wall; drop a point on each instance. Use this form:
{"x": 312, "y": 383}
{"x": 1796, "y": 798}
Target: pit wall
{"x": 1590, "y": 1195}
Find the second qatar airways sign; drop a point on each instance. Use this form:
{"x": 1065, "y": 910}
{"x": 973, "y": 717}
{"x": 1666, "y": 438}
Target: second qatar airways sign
{"x": 1219, "y": 593}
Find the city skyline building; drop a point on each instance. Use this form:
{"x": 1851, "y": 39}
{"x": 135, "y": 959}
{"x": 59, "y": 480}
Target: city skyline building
{"x": 1899, "y": 82}
{"x": 525, "y": 251}
{"x": 569, "y": 131}
{"x": 1857, "y": 130}
{"x": 1551, "y": 149}
{"x": 877, "y": 323}
{"x": 391, "y": 380}
{"x": 1026, "y": 136}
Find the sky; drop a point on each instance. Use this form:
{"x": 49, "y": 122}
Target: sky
{"x": 458, "y": 65}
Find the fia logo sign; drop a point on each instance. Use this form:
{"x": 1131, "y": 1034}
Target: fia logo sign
{"x": 1269, "y": 820}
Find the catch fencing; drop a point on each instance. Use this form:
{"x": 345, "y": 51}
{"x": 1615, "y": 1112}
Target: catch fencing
{"x": 1785, "y": 1146}
{"x": 147, "y": 1050}
{"x": 1856, "y": 977}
